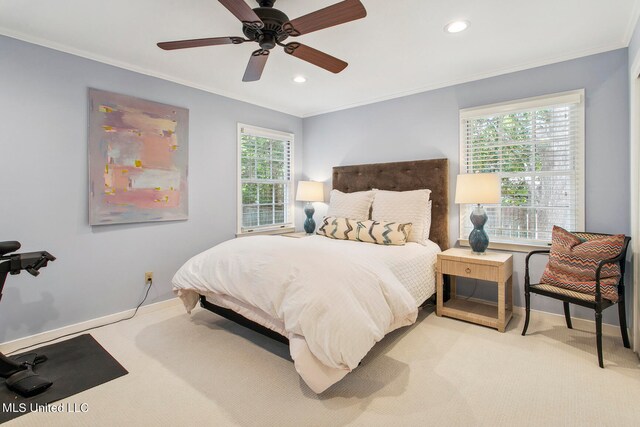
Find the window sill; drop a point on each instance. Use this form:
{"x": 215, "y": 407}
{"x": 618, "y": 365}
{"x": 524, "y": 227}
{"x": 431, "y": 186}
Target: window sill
{"x": 267, "y": 231}
{"x": 513, "y": 247}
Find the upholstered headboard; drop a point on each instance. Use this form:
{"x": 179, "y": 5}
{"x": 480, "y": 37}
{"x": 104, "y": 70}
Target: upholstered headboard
{"x": 404, "y": 176}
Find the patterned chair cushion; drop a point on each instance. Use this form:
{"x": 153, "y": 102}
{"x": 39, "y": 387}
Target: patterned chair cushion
{"x": 379, "y": 232}
{"x": 574, "y": 259}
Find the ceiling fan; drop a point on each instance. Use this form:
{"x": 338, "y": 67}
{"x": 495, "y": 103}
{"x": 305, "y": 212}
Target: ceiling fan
{"x": 270, "y": 27}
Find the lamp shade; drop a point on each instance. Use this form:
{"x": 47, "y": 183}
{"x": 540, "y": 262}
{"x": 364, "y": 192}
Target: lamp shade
{"x": 310, "y": 191}
{"x": 480, "y": 188}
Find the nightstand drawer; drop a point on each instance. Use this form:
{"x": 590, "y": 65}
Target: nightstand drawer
{"x": 466, "y": 269}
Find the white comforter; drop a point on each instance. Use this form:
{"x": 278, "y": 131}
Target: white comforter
{"x": 331, "y": 302}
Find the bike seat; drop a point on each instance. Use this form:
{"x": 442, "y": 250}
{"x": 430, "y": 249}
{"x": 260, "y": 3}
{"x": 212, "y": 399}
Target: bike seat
{"x": 8, "y": 247}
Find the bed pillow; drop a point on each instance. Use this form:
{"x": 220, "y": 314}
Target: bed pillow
{"x": 379, "y": 232}
{"x": 574, "y": 258}
{"x": 427, "y": 222}
{"x": 405, "y": 206}
{"x": 350, "y": 205}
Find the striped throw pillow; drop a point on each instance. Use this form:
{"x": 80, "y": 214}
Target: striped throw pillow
{"x": 574, "y": 259}
{"x": 379, "y": 232}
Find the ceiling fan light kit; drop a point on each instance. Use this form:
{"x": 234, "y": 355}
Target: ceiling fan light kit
{"x": 270, "y": 27}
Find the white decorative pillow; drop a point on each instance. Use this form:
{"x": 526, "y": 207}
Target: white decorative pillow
{"x": 378, "y": 232}
{"x": 405, "y": 206}
{"x": 427, "y": 222}
{"x": 350, "y": 205}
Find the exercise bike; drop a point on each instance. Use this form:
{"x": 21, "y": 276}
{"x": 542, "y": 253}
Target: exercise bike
{"x": 19, "y": 374}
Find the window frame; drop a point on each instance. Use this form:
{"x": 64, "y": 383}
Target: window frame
{"x": 289, "y": 225}
{"x": 538, "y": 102}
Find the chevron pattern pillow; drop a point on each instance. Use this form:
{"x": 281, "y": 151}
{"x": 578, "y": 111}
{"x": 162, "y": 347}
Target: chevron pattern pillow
{"x": 379, "y": 232}
{"x": 574, "y": 259}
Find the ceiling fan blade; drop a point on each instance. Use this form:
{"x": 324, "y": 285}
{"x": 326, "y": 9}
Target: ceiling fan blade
{"x": 315, "y": 57}
{"x": 243, "y": 12}
{"x": 183, "y": 44}
{"x": 339, "y": 13}
{"x": 256, "y": 65}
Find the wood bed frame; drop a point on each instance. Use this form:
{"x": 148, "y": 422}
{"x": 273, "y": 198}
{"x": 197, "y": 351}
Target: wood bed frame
{"x": 397, "y": 176}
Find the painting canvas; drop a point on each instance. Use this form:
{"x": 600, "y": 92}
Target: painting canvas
{"x": 138, "y": 160}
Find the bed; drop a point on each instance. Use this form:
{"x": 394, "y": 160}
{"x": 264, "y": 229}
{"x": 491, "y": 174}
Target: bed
{"x": 329, "y": 300}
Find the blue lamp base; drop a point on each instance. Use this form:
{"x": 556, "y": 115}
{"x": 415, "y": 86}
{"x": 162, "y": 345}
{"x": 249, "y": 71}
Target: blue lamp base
{"x": 309, "y": 223}
{"x": 478, "y": 239}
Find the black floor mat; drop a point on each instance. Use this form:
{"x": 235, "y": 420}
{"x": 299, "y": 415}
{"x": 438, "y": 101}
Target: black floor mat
{"x": 74, "y": 365}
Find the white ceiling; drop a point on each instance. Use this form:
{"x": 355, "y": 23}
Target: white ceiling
{"x": 398, "y": 49}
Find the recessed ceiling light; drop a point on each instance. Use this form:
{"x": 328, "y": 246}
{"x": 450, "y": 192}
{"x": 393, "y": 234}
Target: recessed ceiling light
{"x": 299, "y": 79}
{"x": 456, "y": 26}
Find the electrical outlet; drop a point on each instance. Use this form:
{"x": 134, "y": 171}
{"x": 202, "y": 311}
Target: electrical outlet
{"x": 148, "y": 277}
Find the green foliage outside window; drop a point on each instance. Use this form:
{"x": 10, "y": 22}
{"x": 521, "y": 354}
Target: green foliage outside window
{"x": 265, "y": 180}
{"x": 523, "y": 148}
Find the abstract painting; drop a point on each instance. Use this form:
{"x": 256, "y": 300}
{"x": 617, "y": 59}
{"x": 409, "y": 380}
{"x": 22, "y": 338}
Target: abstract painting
{"x": 138, "y": 160}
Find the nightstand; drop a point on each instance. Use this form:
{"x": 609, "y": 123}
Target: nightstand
{"x": 297, "y": 235}
{"x": 493, "y": 267}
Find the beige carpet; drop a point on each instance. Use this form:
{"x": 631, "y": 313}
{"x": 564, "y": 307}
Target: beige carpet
{"x": 204, "y": 370}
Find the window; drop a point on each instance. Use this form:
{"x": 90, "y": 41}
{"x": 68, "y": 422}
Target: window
{"x": 536, "y": 146}
{"x": 265, "y": 190}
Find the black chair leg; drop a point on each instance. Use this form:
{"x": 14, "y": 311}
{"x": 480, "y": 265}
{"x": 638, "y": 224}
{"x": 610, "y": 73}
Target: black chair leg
{"x": 527, "y": 300}
{"x": 623, "y": 323}
{"x": 567, "y": 314}
{"x": 599, "y": 337}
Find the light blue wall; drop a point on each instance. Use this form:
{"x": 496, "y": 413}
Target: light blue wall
{"x": 99, "y": 271}
{"x": 425, "y": 125}
{"x": 43, "y": 188}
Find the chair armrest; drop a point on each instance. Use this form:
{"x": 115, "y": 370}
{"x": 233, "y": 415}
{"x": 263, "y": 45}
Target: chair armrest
{"x": 620, "y": 259}
{"x": 539, "y": 251}
{"x": 526, "y": 263}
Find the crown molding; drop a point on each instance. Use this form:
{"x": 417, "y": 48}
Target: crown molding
{"x": 476, "y": 77}
{"x": 366, "y": 101}
{"x": 136, "y": 69}
{"x": 631, "y": 26}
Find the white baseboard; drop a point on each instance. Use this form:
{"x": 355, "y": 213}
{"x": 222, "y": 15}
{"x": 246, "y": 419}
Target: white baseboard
{"x": 10, "y": 346}
{"x": 578, "y": 322}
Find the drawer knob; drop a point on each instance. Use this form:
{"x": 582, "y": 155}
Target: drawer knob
{"x": 468, "y": 270}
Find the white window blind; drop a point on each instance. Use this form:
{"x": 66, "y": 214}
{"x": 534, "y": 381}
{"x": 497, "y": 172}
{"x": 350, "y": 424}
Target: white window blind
{"x": 265, "y": 196}
{"x": 536, "y": 146}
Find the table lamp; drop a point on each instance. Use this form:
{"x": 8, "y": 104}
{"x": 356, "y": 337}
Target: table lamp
{"x": 478, "y": 188}
{"x": 310, "y": 191}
